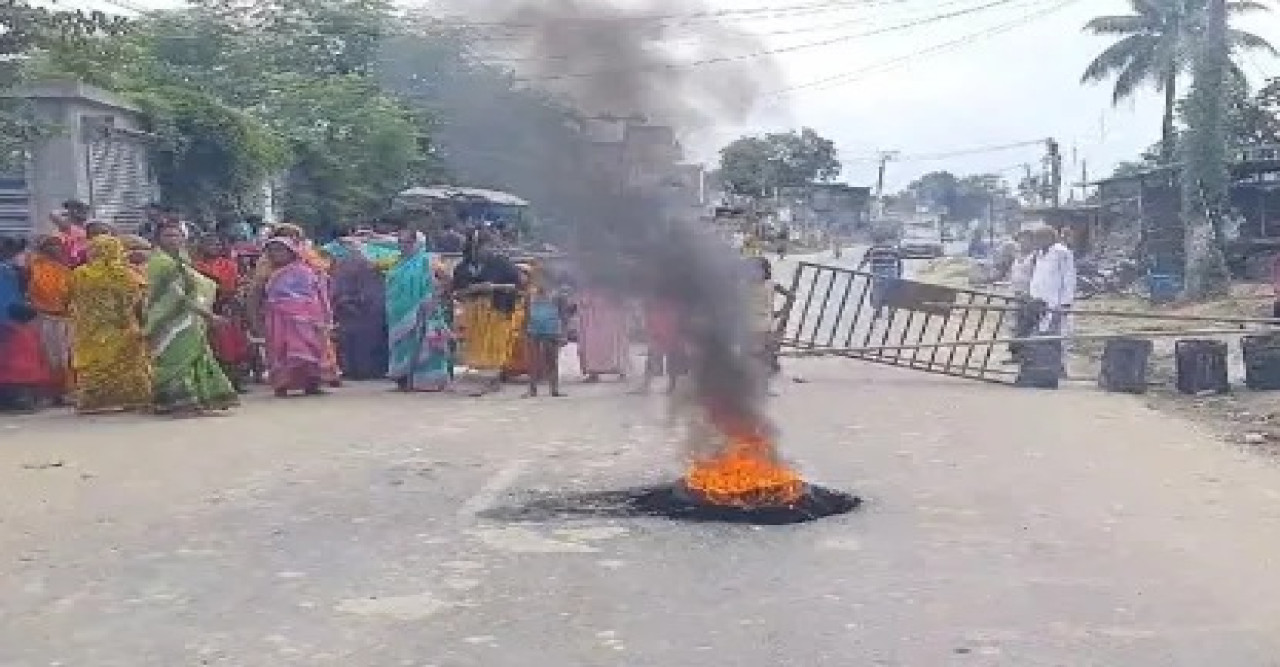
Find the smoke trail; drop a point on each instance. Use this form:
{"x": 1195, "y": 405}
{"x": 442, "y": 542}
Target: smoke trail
{"x": 611, "y": 59}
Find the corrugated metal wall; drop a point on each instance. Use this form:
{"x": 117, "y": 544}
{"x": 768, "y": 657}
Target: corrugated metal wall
{"x": 15, "y": 205}
{"x": 120, "y": 182}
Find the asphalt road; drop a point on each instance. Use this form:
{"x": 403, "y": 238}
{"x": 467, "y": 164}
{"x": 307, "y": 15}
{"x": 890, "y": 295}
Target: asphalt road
{"x": 1002, "y": 527}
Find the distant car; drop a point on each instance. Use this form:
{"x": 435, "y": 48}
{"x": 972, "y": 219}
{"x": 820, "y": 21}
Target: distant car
{"x": 920, "y": 242}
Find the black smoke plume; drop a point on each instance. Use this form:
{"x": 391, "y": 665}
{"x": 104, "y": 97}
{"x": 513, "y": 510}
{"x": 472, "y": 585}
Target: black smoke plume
{"x": 636, "y": 59}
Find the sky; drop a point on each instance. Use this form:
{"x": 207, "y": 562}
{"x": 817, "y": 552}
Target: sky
{"x": 1018, "y": 82}
{"x": 966, "y": 74}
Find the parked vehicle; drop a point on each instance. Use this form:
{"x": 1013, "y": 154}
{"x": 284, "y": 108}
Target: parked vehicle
{"x": 920, "y": 240}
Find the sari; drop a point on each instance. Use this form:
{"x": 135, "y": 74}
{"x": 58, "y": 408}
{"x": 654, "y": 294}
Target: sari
{"x": 298, "y": 319}
{"x": 487, "y": 321}
{"x": 228, "y": 339}
{"x": 23, "y": 370}
{"x": 360, "y": 313}
{"x": 262, "y": 272}
{"x": 604, "y": 343}
{"x": 419, "y": 336}
{"x": 187, "y": 375}
{"x": 49, "y": 291}
{"x": 518, "y": 361}
{"x": 108, "y": 350}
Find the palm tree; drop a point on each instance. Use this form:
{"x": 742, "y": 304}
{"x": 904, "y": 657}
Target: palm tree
{"x": 1156, "y": 44}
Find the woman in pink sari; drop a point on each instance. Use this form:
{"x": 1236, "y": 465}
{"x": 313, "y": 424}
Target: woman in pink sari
{"x": 298, "y": 320}
{"x": 604, "y": 346}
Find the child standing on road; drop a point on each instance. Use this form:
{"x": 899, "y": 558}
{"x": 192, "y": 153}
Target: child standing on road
{"x": 666, "y": 349}
{"x": 548, "y": 314}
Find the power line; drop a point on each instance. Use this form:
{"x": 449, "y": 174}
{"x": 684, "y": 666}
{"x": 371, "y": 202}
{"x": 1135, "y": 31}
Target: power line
{"x": 785, "y": 49}
{"x": 924, "y": 157}
{"x": 826, "y": 27}
{"x": 762, "y": 11}
{"x": 977, "y": 150}
{"x": 893, "y": 63}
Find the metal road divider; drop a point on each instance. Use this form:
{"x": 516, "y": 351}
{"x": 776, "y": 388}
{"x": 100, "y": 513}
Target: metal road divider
{"x": 919, "y": 326}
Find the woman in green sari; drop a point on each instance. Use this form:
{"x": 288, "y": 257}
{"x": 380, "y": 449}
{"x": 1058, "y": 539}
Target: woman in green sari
{"x": 188, "y": 380}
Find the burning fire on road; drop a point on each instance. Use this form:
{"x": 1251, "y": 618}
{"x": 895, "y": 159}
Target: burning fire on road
{"x": 742, "y": 479}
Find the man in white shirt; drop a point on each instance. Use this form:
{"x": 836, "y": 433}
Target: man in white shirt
{"x": 1053, "y": 279}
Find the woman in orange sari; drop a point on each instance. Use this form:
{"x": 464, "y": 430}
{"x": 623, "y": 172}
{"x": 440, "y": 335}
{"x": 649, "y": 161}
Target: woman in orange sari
{"x": 49, "y": 293}
{"x": 228, "y": 337}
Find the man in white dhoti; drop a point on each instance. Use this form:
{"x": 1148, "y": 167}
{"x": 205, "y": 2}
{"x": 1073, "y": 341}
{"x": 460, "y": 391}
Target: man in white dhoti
{"x": 1053, "y": 280}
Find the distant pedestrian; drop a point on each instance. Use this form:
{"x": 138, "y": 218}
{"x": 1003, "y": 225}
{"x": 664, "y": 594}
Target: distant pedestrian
{"x": 545, "y": 326}
{"x": 1021, "y": 265}
{"x": 1053, "y": 286}
{"x": 1053, "y": 280}
{"x": 667, "y": 352}
{"x": 604, "y": 344}
{"x": 764, "y": 316}
{"x": 884, "y": 261}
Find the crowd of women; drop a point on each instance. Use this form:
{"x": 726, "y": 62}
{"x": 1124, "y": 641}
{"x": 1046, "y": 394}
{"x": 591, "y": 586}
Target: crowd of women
{"x": 172, "y": 324}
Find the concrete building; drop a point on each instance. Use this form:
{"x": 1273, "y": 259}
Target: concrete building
{"x": 635, "y": 154}
{"x": 96, "y": 152}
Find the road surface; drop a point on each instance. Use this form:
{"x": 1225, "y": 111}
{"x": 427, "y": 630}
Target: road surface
{"x": 1002, "y": 527}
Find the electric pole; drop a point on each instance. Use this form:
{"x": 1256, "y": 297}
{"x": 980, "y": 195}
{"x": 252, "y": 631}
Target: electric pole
{"x": 1053, "y": 158}
{"x": 885, "y": 157}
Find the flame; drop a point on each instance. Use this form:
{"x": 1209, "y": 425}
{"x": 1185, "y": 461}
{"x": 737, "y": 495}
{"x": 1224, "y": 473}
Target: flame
{"x": 745, "y": 473}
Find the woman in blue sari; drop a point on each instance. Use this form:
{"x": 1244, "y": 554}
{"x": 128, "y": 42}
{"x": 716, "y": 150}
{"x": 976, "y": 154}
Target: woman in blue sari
{"x": 418, "y": 331}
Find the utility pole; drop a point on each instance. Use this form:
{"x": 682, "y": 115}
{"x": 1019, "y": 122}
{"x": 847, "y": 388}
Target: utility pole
{"x": 1054, "y": 160}
{"x": 885, "y": 157}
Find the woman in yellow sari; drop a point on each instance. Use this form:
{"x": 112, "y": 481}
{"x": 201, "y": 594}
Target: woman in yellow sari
{"x": 108, "y": 350}
{"x": 487, "y": 285}
{"x": 48, "y": 291}
{"x": 518, "y": 358}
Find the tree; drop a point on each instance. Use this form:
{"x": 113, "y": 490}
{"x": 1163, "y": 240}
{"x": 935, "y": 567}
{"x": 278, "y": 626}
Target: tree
{"x": 1254, "y": 120}
{"x": 935, "y": 189}
{"x": 1156, "y": 45}
{"x": 24, "y": 32}
{"x": 758, "y": 164}
{"x": 1205, "y": 178}
{"x": 210, "y": 159}
{"x": 241, "y": 91}
{"x": 355, "y": 147}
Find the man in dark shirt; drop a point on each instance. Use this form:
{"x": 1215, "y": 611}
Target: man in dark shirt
{"x": 884, "y": 261}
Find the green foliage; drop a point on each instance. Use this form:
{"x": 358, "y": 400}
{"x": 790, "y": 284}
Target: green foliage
{"x": 758, "y": 164}
{"x": 963, "y": 199}
{"x": 355, "y": 146}
{"x": 1254, "y": 120}
{"x": 26, "y": 31}
{"x": 210, "y": 159}
{"x": 1156, "y": 44}
{"x": 242, "y": 91}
